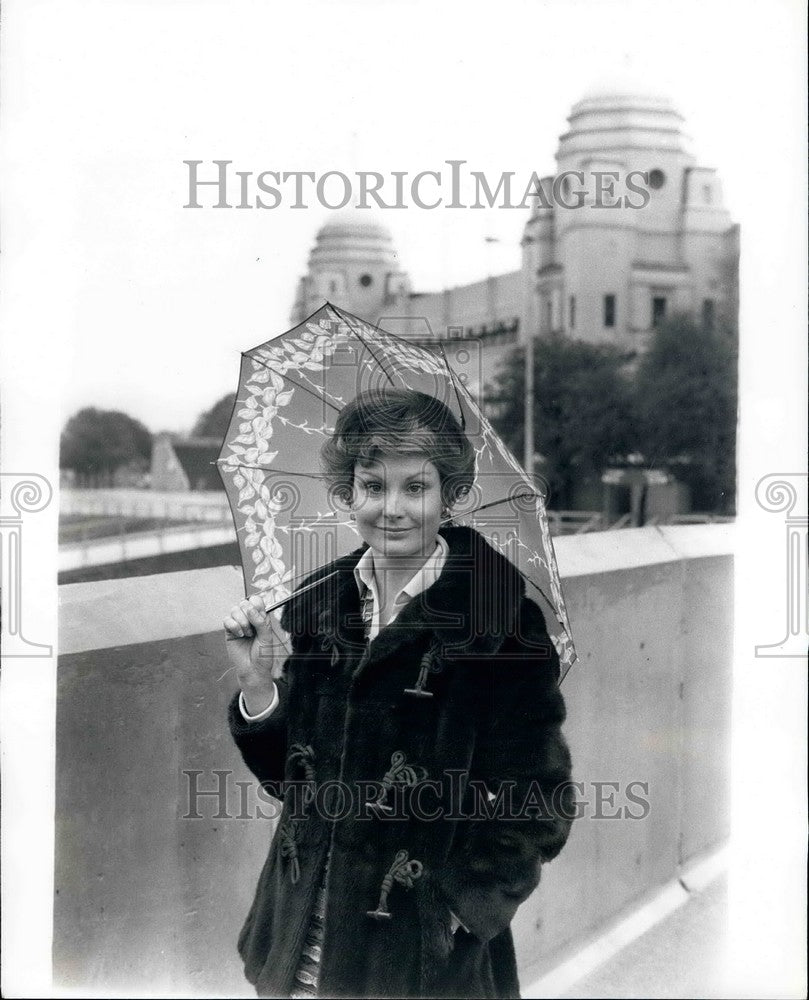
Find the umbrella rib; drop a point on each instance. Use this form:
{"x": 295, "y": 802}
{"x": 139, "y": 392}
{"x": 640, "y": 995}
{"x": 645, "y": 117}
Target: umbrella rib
{"x": 393, "y": 336}
{"x": 511, "y": 459}
{"x": 455, "y": 387}
{"x": 411, "y": 346}
{"x": 495, "y": 503}
{"x": 542, "y": 592}
{"x": 261, "y": 468}
{"x": 371, "y": 351}
{"x": 299, "y": 385}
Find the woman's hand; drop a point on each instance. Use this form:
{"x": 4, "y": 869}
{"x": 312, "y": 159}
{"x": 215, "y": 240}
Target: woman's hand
{"x": 256, "y": 647}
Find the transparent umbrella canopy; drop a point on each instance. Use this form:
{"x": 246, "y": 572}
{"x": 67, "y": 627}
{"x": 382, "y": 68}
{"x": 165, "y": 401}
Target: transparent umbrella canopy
{"x": 291, "y": 389}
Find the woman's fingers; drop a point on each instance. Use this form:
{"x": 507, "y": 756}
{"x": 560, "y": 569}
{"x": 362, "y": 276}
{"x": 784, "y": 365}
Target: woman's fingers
{"x": 248, "y": 618}
{"x": 233, "y": 627}
{"x": 265, "y": 624}
{"x": 241, "y": 617}
{"x": 243, "y": 625}
{"x": 256, "y": 617}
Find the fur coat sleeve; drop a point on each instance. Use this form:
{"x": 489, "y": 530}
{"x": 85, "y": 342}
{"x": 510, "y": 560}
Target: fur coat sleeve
{"x": 519, "y": 782}
{"x": 263, "y": 744}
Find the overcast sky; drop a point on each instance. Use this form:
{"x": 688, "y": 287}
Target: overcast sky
{"x": 160, "y": 299}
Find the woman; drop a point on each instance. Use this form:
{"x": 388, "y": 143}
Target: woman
{"x": 413, "y": 734}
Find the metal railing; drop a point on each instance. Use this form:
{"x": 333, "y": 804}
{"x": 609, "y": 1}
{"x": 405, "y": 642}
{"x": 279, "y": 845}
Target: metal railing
{"x": 689, "y": 519}
{"x": 177, "y": 507}
{"x": 578, "y": 522}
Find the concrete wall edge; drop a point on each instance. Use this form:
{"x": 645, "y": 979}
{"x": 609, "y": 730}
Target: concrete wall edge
{"x": 112, "y": 613}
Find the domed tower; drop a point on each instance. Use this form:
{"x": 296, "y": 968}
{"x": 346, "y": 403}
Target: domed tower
{"x": 540, "y": 266}
{"x": 353, "y": 264}
{"x": 638, "y": 230}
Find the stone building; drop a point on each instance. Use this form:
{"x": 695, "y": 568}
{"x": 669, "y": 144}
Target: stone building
{"x": 611, "y": 274}
{"x": 353, "y": 264}
{"x": 596, "y": 273}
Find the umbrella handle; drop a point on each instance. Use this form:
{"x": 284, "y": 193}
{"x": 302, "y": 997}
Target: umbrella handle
{"x": 282, "y": 602}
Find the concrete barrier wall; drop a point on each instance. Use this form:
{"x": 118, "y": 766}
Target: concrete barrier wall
{"x": 149, "y": 899}
{"x": 651, "y": 612}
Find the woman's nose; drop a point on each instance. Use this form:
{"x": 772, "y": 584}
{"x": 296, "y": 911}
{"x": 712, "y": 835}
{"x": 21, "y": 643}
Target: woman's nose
{"x": 393, "y": 503}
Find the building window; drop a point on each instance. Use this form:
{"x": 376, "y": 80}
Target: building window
{"x": 656, "y": 179}
{"x": 708, "y": 314}
{"x": 707, "y": 194}
{"x": 572, "y": 312}
{"x": 548, "y": 315}
{"x": 658, "y": 309}
{"x": 332, "y": 288}
{"x": 609, "y": 310}
{"x": 366, "y": 280}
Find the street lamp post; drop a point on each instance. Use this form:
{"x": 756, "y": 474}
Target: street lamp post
{"x": 528, "y": 460}
{"x": 528, "y": 412}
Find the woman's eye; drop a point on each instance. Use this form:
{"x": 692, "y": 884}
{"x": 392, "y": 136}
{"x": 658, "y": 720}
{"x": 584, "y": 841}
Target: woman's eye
{"x": 416, "y": 487}
{"x": 373, "y": 488}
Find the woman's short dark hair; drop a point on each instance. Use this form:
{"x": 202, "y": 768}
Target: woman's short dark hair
{"x": 398, "y": 421}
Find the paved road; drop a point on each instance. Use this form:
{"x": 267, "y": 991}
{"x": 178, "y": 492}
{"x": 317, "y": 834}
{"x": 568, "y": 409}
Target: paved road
{"x": 680, "y": 957}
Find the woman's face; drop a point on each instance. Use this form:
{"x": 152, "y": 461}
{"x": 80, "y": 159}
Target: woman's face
{"x": 397, "y": 502}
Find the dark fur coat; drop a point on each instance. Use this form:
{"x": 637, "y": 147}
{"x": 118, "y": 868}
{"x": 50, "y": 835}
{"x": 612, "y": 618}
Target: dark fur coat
{"x": 450, "y": 721}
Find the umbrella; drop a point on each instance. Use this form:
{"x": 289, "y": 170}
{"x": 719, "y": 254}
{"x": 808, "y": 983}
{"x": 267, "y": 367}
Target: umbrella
{"x": 291, "y": 389}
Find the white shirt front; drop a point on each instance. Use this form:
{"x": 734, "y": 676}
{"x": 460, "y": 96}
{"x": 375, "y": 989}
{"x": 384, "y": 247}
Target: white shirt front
{"x": 429, "y": 572}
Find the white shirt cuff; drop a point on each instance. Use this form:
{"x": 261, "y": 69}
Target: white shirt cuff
{"x": 261, "y": 715}
{"x": 456, "y": 923}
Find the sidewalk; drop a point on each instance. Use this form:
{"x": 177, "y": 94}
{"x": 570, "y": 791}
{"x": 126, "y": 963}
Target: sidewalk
{"x": 679, "y": 957}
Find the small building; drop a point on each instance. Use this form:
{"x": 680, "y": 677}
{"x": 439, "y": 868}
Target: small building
{"x": 182, "y": 464}
{"x": 644, "y": 495}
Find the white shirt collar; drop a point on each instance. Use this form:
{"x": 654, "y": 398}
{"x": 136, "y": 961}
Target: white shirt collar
{"x": 422, "y": 579}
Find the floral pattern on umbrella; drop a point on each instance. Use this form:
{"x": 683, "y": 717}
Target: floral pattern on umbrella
{"x": 291, "y": 389}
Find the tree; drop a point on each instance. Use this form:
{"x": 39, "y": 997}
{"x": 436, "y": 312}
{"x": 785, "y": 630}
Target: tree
{"x": 582, "y": 412}
{"x": 214, "y": 422}
{"x": 97, "y": 442}
{"x": 686, "y": 400}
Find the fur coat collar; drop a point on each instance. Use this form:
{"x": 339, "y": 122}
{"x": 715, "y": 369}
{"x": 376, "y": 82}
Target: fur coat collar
{"x": 469, "y": 610}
